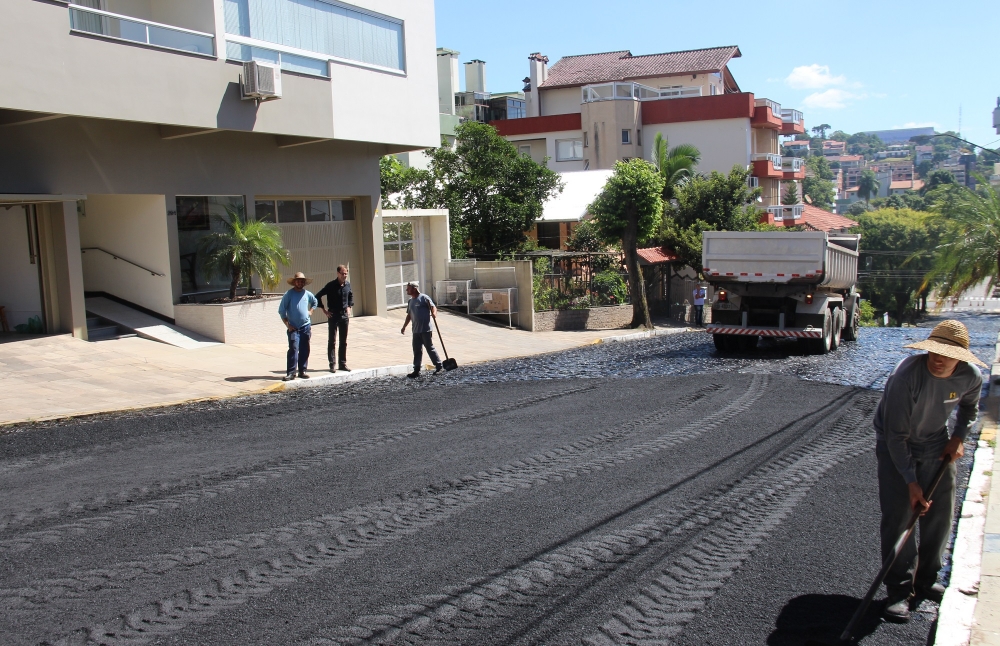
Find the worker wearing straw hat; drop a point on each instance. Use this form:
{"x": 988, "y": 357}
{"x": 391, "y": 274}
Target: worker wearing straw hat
{"x": 911, "y": 429}
{"x": 294, "y": 309}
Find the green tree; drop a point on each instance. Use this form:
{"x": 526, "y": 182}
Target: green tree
{"x": 586, "y": 237}
{"x": 839, "y": 135}
{"x": 790, "y": 196}
{"x": 715, "y": 202}
{"x": 924, "y": 168}
{"x": 818, "y": 184}
{"x": 895, "y": 255}
{"x": 820, "y": 130}
{"x": 628, "y": 209}
{"x": 676, "y": 165}
{"x": 244, "y": 247}
{"x": 969, "y": 251}
{"x": 868, "y": 185}
{"x": 937, "y": 179}
{"x": 493, "y": 194}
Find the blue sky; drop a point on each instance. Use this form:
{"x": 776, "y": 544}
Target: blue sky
{"x": 869, "y": 65}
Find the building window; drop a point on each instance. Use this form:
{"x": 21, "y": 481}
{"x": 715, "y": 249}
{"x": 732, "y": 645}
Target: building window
{"x": 626, "y": 136}
{"x": 335, "y": 29}
{"x": 290, "y": 211}
{"x": 197, "y": 217}
{"x": 569, "y": 149}
{"x": 638, "y": 137}
{"x": 586, "y": 139}
{"x": 193, "y": 214}
{"x": 524, "y": 150}
{"x": 548, "y": 235}
{"x": 265, "y": 211}
{"x": 293, "y": 211}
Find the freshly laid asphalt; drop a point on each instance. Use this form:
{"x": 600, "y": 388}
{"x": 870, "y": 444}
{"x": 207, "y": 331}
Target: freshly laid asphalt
{"x": 645, "y": 492}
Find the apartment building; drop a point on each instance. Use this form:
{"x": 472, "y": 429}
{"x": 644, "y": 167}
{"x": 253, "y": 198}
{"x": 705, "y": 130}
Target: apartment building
{"x": 797, "y": 147}
{"x": 922, "y": 154}
{"x": 126, "y": 126}
{"x": 587, "y": 112}
{"x": 834, "y": 148}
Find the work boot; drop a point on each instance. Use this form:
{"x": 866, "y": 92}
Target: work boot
{"x": 438, "y": 368}
{"x": 332, "y": 368}
{"x": 414, "y": 374}
{"x": 303, "y": 375}
{"x": 289, "y": 377}
{"x": 344, "y": 367}
{"x": 897, "y": 609}
{"x": 934, "y": 592}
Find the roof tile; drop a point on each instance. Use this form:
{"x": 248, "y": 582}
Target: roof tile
{"x": 622, "y": 65}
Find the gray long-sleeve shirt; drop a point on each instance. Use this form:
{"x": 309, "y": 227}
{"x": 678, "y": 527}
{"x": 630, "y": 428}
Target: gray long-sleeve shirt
{"x": 916, "y": 405}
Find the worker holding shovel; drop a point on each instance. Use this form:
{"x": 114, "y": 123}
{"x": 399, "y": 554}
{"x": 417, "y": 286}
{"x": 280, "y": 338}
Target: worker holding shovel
{"x": 911, "y": 429}
{"x": 419, "y": 310}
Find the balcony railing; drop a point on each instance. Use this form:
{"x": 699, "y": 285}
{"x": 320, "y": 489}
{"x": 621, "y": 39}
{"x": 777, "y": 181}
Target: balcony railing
{"x": 135, "y": 30}
{"x": 631, "y": 91}
{"x": 771, "y": 157}
{"x": 781, "y": 212}
{"x": 792, "y": 164}
{"x": 791, "y": 116}
{"x": 775, "y": 106}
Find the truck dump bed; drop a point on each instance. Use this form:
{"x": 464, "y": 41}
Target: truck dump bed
{"x": 801, "y": 257}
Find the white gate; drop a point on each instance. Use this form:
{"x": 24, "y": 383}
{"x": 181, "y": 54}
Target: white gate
{"x": 404, "y": 245}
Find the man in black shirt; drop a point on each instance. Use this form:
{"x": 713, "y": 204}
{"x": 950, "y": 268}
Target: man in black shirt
{"x": 340, "y": 300}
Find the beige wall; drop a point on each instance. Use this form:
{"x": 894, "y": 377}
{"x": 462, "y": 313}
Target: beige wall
{"x": 604, "y": 121}
{"x": 133, "y": 227}
{"x": 561, "y": 101}
{"x": 317, "y": 248}
{"x": 567, "y": 100}
{"x": 723, "y": 142}
{"x": 546, "y": 147}
{"x": 62, "y": 269}
{"x": 54, "y": 71}
{"x": 765, "y": 140}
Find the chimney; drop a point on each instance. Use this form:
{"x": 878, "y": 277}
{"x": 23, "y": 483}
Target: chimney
{"x": 447, "y": 69}
{"x": 475, "y": 76}
{"x": 538, "y": 71}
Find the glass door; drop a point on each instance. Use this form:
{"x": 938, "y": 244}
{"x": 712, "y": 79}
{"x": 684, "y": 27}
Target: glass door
{"x": 401, "y": 249}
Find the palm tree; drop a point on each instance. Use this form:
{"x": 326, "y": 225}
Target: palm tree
{"x": 675, "y": 165}
{"x": 969, "y": 252}
{"x": 868, "y": 185}
{"x": 246, "y": 246}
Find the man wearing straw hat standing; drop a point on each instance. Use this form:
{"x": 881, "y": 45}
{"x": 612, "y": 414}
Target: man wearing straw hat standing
{"x": 295, "y": 307}
{"x": 911, "y": 430}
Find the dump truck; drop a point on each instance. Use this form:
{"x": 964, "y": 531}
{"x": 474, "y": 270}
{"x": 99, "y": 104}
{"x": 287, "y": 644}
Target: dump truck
{"x": 782, "y": 284}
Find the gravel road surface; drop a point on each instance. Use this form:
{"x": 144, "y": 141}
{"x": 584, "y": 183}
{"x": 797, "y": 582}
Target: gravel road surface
{"x": 647, "y": 492}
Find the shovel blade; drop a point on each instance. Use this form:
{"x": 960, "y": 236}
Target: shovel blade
{"x": 450, "y": 364}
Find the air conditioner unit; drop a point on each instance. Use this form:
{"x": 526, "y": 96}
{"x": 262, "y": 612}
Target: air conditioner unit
{"x": 261, "y": 81}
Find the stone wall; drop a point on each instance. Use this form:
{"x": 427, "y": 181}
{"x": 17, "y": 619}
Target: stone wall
{"x": 595, "y": 318}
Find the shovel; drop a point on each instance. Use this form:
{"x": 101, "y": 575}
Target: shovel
{"x": 847, "y": 637}
{"x": 449, "y": 364}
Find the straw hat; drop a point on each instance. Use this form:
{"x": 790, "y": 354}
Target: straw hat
{"x": 298, "y": 274}
{"x": 949, "y": 339}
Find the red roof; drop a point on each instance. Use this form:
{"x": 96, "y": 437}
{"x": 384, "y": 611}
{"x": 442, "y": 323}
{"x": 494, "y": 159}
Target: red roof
{"x": 818, "y": 219}
{"x": 657, "y": 255}
{"x": 622, "y": 65}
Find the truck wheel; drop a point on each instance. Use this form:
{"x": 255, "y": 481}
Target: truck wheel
{"x": 851, "y": 329}
{"x": 822, "y": 346}
{"x": 747, "y": 343}
{"x": 723, "y": 343}
{"x": 835, "y": 331}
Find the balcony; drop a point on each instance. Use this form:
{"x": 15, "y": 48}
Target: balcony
{"x": 633, "y": 91}
{"x": 792, "y": 123}
{"x": 134, "y": 30}
{"x": 767, "y": 165}
{"x": 782, "y": 213}
{"x": 793, "y": 168}
{"x": 766, "y": 114}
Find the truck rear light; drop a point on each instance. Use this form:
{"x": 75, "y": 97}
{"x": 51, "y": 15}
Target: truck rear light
{"x": 809, "y": 299}
{"x": 723, "y": 296}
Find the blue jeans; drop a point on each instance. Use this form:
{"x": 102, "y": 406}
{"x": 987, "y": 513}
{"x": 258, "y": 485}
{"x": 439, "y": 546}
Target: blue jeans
{"x": 698, "y": 311}
{"x": 423, "y": 340}
{"x": 298, "y": 348}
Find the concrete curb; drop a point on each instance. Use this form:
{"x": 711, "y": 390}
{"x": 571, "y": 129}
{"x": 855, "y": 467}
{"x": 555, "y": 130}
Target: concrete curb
{"x": 954, "y": 624}
{"x": 343, "y": 377}
{"x": 648, "y": 334}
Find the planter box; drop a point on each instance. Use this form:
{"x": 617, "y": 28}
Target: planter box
{"x": 595, "y": 318}
{"x": 253, "y": 321}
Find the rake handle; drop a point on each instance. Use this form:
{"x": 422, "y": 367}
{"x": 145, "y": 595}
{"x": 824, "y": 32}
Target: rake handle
{"x": 848, "y": 633}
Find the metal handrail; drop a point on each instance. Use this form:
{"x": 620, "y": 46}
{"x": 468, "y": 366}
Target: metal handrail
{"x": 117, "y": 257}
{"x": 146, "y": 24}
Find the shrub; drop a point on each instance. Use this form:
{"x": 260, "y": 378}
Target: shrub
{"x": 868, "y": 314}
{"x": 609, "y": 287}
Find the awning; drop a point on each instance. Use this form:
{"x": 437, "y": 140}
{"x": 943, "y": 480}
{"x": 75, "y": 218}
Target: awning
{"x": 656, "y": 255}
{"x": 30, "y": 198}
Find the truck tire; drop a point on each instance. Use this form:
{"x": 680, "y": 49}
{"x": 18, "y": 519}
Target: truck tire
{"x": 723, "y": 343}
{"x": 836, "y": 330}
{"x": 821, "y": 346}
{"x": 747, "y": 343}
{"x": 851, "y": 329}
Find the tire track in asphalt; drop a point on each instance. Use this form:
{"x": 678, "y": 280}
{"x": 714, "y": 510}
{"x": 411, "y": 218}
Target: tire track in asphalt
{"x": 269, "y": 472}
{"x": 342, "y": 537}
{"x": 461, "y": 614}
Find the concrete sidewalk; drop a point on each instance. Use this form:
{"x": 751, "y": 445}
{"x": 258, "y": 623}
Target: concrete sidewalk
{"x": 58, "y": 376}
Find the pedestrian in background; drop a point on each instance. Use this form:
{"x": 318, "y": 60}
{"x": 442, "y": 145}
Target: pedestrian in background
{"x": 294, "y": 309}
{"x": 699, "y": 304}
{"x": 340, "y": 300}
{"x": 420, "y": 309}
{"x": 911, "y": 432}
